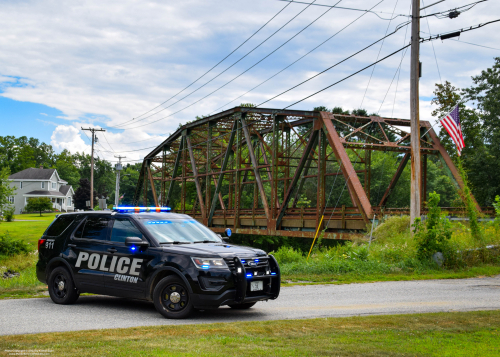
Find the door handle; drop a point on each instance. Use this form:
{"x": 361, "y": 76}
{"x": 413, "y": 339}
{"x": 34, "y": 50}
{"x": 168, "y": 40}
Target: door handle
{"x": 72, "y": 245}
{"x": 112, "y": 250}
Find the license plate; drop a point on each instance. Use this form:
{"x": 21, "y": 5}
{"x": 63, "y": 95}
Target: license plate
{"x": 256, "y": 285}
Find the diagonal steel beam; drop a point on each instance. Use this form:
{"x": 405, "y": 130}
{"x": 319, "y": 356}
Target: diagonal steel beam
{"x": 394, "y": 179}
{"x": 303, "y": 178}
{"x": 255, "y": 165}
{"x": 140, "y": 182}
{"x": 174, "y": 173}
{"x": 196, "y": 178}
{"x": 153, "y": 190}
{"x": 353, "y": 183}
{"x": 296, "y": 176}
{"x": 229, "y": 152}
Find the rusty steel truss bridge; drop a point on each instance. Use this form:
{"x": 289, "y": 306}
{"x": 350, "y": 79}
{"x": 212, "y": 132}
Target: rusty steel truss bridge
{"x": 266, "y": 156}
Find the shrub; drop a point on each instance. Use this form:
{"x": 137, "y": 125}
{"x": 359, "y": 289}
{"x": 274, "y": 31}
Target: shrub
{"x": 434, "y": 235}
{"x": 8, "y": 214}
{"x": 10, "y": 246}
{"x": 288, "y": 255}
{"x": 391, "y": 227}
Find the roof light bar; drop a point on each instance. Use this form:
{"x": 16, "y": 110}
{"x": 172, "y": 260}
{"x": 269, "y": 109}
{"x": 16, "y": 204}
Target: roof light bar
{"x": 141, "y": 209}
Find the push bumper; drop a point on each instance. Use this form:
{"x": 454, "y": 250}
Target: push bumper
{"x": 242, "y": 292}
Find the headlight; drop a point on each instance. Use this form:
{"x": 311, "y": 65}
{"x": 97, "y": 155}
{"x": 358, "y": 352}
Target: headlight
{"x": 207, "y": 263}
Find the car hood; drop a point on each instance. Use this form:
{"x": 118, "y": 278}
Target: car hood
{"x": 220, "y": 249}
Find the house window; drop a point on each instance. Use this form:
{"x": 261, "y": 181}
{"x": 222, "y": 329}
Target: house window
{"x": 43, "y": 184}
{"x": 69, "y": 201}
{"x": 11, "y": 199}
{"x": 54, "y": 185}
{"x": 21, "y": 184}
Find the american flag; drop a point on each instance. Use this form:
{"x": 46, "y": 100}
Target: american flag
{"x": 451, "y": 123}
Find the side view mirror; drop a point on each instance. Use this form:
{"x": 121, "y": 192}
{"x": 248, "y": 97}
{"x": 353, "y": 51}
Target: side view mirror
{"x": 135, "y": 242}
{"x": 227, "y": 233}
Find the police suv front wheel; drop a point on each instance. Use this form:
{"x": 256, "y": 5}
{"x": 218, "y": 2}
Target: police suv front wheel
{"x": 171, "y": 298}
{"x": 61, "y": 287}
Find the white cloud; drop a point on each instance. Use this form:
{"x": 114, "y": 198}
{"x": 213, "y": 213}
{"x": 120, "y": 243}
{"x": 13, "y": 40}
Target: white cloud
{"x": 68, "y": 137}
{"x": 107, "y": 62}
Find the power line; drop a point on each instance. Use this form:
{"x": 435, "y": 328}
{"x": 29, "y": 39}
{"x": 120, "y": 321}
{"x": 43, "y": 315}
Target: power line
{"x": 459, "y": 31}
{"x": 453, "y": 12}
{"x": 218, "y": 74}
{"x": 475, "y": 44}
{"x": 327, "y": 69}
{"x": 350, "y": 8}
{"x": 433, "y": 49}
{"x": 300, "y": 58}
{"x": 339, "y": 81}
{"x": 107, "y": 142}
{"x": 378, "y": 55}
{"x": 260, "y": 120}
{"x": 222, "y": 60}
{"x": 399, "y": 73}
{"x": 336, "y": 64}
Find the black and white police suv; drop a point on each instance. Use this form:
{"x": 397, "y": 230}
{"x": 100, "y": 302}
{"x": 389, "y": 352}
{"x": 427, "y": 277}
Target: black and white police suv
{"x": 151, "y": 254}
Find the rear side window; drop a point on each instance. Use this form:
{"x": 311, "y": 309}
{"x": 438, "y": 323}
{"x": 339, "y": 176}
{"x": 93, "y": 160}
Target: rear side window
{"x": 59, "y": 226}
{"x": 94, "y": 228}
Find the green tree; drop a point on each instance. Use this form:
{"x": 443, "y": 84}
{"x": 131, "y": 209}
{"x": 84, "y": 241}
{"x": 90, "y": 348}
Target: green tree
{"x": 66, "y": 167}
{"x": 38, "y": 204}
{"x": 82, "y": 194}
{"x": 5, "y": 189}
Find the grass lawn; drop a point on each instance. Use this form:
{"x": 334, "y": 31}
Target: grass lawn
{"x": 27, "y": 231}
{"x": 442, "y": 334}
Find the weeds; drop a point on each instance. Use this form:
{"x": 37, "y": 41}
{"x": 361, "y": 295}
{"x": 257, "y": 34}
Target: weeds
{"x": 10, "y": 246}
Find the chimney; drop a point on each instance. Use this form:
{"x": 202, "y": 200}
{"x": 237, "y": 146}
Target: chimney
{"x": 41, "y": 166}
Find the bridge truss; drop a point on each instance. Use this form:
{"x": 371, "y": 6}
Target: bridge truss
{"x": 247, "y": 169}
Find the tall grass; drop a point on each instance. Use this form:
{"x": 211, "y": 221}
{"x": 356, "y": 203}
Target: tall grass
{"x": 393, "y": 250}
{"x": 25, "y": 264}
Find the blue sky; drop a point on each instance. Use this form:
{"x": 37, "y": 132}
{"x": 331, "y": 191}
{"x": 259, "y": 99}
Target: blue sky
{"x": 66, "y": 65}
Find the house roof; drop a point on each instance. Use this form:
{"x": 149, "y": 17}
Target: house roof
{"x": 33, "y": 174}
{"x": 64, "y": 189}
{"x": 45, "y": 193}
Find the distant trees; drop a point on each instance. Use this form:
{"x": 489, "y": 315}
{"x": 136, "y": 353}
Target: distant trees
{"x": 479, "y": 107}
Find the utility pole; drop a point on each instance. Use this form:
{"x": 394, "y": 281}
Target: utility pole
{"x": 414, "y": 113}
{"x": 93, "y": 130}
{"x": 118, "y": 168}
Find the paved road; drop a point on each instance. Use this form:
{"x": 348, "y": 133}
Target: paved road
{"x": 98, "y": 312}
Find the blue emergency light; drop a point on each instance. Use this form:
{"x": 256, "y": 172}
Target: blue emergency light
{"x": 141, "y": 209}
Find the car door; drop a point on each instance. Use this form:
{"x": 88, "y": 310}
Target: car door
{"x": 87, "y": 248}
{"x": 128, "y": 265}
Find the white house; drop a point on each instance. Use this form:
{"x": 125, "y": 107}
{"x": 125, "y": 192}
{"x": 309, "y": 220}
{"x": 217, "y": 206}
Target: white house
{"x": 41, "y": 183}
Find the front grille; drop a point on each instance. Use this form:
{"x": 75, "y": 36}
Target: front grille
{"x": 261, "y": 266}
{"x": 230, "y": 263}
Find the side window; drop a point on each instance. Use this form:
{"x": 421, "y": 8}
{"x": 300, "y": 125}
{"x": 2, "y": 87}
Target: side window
{"x": 123, "y": 228}
{"x": 59, "y": 226}
{"x": 94, "y": 228}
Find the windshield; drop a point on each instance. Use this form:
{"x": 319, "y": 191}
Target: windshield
{"x": 179, "y": 231}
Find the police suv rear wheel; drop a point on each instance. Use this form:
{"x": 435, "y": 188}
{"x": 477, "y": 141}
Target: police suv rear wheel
{"x": 171, "y": 298}
{"x": 61, "y": 287}
{"x": 242, "y": 306}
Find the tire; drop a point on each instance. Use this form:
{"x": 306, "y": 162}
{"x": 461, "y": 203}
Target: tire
{"x": 62, "y": 289}
{"x": 172, "y": 298}
{"x": 242, "y": 306}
